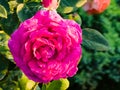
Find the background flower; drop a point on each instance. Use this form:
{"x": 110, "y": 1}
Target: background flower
{"x": 96, "y": 6}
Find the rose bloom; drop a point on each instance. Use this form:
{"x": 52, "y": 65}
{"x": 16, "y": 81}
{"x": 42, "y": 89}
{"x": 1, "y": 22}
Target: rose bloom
{"x": 96, "y": 6}
{"x": 47, "y": 47}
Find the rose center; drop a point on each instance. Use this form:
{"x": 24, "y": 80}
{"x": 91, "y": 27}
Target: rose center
{"x": 43, "y": 53}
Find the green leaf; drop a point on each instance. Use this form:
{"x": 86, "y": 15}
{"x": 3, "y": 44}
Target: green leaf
{"x": 94, "y": 40}
{"x": 68, "y": 6}
{"x": 74, "y": 16}
{"x": 3, "y": 12}
{"x": 37, "y": 87}
{"x": 32, "y": 1}
{"x": 61, "y": 84}
{"x": 25, "y": 1}
{"x": 9, "y": 24}
{"x": 9, "y": 85}
{"x": 19, "y": 1}
{"x": 4, "y": 50}
{"x": 5, "y": 4}
{"x": 12, "y": 5}
{"x": 10, "y": 81}
{"x": 3, "y": 67}
{"x": 27, "y": 10}
{"x": 26, "y": 84}
{"x": 44, "y": 87}
{"x": 22, "y": 13}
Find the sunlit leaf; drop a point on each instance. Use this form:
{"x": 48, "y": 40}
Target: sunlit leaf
{"x": 4, "y": 50}
{"x": 22, "y": 15}
{"x": 3, "y": 12}
{"x": 26, "y": 84}
{"x": 25, "y": 11}
{"x": 12, "y": 5}
{"x": 5, "y": 4}
{"x": 68, "y": 6}
{"x": 61, "y": 84}
{"x": 74, "y": 16}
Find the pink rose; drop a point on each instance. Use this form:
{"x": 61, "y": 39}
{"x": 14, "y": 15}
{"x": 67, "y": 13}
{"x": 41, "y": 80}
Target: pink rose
{"x": 47, "y": 47}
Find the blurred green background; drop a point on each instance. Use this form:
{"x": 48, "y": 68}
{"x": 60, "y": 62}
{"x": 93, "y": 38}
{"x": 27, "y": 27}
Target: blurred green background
{"x": 99, "y": 68}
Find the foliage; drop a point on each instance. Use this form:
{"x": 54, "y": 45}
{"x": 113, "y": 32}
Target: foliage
{"x": 61, "y": 84}
{"x": 3, "y": 12}
{"x": 68, "y": 6}
{"x": 92, "y": 39}
{"x": 101, "y": 47}
{"x": 100, "y": 70}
